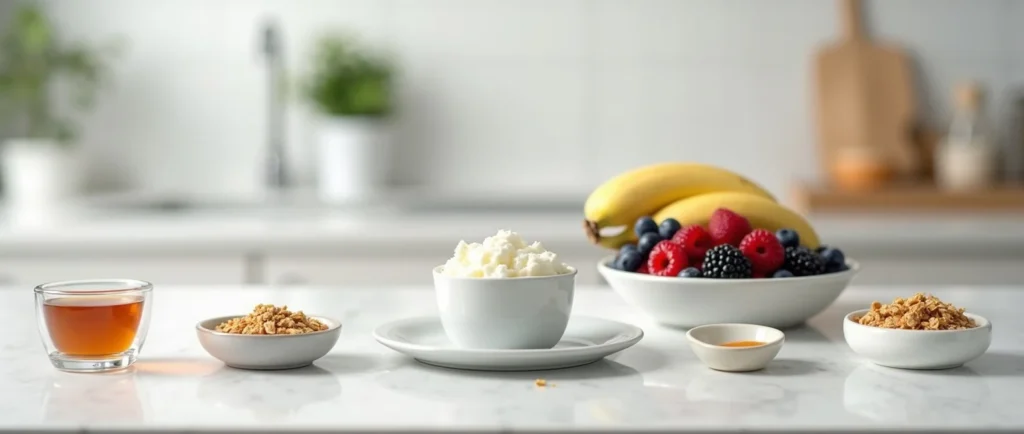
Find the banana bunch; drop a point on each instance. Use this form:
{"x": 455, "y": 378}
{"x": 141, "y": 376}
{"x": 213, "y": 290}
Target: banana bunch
{"x": 687, "y": 192}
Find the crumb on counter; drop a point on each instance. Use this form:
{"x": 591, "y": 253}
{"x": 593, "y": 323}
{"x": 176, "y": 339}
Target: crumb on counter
{"x": 920, "y": 312}
{"x": 267, "y": 319}
{"x": 540, "y": 382}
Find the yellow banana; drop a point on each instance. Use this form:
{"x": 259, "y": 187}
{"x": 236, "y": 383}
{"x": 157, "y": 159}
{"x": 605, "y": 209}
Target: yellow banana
{"x": 762, "y": 213}
{"x": 622, "y": 200}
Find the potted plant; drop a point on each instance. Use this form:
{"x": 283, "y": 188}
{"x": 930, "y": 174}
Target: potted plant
{"x": 43, "y": 82}
{"x": 350, "y": 88}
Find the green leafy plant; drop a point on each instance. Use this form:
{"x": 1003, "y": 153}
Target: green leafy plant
{"x": 348, "y": 80}
{"x": 39, "y": 73}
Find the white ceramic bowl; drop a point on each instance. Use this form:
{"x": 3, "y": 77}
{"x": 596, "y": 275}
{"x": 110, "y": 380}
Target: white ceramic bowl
{"x": 917, "y": 349}
{"x": 690, "y": 302}
{"x": 518, "y": 313}
{"x": 267, "y": 351}
{"x": 706, "y": 342}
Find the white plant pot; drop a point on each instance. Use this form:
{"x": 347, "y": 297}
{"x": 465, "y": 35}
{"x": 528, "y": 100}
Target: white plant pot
{"x": 353, "y": 158}
{"x": 38, "y": 174}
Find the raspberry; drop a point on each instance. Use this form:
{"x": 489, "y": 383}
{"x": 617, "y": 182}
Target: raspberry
{"x": 695, "y": 241}
{"x": 764, "y": 251}
{"x": 727, "y": 227}
{"x": 667, "y": 259}
{"x": 643, "y": 269}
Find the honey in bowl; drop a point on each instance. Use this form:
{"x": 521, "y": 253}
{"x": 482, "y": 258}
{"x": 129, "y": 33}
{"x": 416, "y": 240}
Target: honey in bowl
{"x": 741, "y": 344}
{"x": 93, "y": 325}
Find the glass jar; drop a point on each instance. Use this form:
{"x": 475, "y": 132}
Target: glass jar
{"x": 93, "y": 325}
{"x": 967, "y": 158}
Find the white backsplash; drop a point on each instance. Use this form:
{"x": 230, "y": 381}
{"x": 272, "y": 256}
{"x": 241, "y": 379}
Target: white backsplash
{"x": 547, "y": 95}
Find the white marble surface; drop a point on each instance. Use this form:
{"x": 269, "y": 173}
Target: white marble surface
{"x": 304, "y": 229}
{"x": 815, "y": 384}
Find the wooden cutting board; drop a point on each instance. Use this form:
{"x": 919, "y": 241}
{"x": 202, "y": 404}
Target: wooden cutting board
{"x": 865, "y": 96}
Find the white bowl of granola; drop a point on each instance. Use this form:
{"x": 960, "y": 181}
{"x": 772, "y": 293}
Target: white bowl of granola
{"x": 919, "y": 332}
{"x": 269, "y": 338}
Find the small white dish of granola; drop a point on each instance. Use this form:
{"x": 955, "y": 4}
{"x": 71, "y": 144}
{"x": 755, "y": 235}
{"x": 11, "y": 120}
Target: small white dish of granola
{"x": 268, "y": 338}
{"x": 919, "y": 332}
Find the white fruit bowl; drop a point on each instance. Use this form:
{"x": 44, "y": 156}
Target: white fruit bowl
{"x": 690, "y": 302}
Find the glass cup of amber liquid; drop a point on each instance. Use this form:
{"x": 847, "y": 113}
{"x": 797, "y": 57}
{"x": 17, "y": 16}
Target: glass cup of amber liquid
{"x": 93, "y": 325}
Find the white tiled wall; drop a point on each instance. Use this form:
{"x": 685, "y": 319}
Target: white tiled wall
{"x": 522, "y": 93}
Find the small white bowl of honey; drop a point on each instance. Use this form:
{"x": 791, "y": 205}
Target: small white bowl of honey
{"x": 735, "y": 347}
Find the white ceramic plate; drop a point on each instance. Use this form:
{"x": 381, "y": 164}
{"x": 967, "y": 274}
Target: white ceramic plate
{"x": 586, "y": 340}
{"x": 682, "y": 302}
{"x": 917, "y": 349}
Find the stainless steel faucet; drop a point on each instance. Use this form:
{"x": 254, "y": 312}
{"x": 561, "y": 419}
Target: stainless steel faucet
{"x": 276, "y": 163}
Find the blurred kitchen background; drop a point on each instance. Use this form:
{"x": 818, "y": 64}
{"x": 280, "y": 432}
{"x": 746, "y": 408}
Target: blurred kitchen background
{"x": 222, "y": 150}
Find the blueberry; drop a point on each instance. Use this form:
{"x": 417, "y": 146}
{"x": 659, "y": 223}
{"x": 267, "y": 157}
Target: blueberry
{"x": 616, "y": 262}
{"x": 630, "y": 261}
{"x": 833, "y": 257}
{"x": 788, "y": 238}
{"x": 647, "y": 242}
{"x": 782, "y": 273}
{"x": 689, "y": 272}
{"x": 668, "y": 228}
{"x": 835, "y": 268}
{"x": 838, "y": 268}
{"x": 820, "y": 249}
{"x": 627, "y": 247}
{"x": 645, "y": 225}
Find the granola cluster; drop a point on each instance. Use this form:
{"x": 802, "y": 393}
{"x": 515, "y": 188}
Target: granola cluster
{"x": 920, "y": 312}
{"x": 267, "y": 319}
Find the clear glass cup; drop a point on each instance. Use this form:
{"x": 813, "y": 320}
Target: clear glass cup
{"x": 93, "y": 325}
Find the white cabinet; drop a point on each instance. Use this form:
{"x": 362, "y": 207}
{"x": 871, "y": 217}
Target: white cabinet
{"x": 28, "y": 271}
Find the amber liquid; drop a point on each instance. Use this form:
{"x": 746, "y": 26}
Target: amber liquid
{"x": 93, "y": 325}
{"x": 742, "y": 344}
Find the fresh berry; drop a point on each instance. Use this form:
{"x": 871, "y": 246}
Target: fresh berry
{"x": 833, "y": 258}
{"x": 764, "y": 252}
{"x": 667, "y": 259}
{"x": 820, "y": 249}
{"x": 788, "y": 237}
{"x": 627, "y": 247}
{"x": 645, "y": 225}
{"x": 643, "y": 269}
{"x": 801, "y": 261}
{"x": 727, "y": 227}
{"x": 726, "y": 262}
{"x": 689, "y": 272}
{"x": 836, "y": 269}
{"x": 630, "y": 260}
{"x": 782, "y": 273}
{"x": 695, "y": 241}
{"x": 668, "y": 228}
{"x": 647, "y": 242}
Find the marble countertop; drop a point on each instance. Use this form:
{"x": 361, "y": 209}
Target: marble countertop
{"x": 300, "y": 229}
{"x": 816, "y": 383}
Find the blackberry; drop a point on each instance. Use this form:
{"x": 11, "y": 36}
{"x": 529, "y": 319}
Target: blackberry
{"x": 726, "y": 262}
{"x": 801, "y": 261}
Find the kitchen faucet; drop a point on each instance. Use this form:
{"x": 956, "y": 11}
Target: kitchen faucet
{"x": 276, "y": 163}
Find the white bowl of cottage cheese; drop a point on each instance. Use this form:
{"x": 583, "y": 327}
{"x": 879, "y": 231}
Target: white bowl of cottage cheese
{"x": 504, "y": 293}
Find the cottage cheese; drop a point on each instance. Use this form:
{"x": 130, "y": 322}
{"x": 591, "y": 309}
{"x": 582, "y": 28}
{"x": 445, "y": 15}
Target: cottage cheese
{"x": 503, "y": 255}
